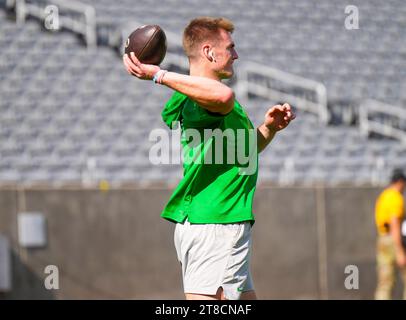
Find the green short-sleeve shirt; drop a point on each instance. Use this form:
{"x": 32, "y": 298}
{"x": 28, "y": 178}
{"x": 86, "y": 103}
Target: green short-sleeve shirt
{"x": 220, "y": 164}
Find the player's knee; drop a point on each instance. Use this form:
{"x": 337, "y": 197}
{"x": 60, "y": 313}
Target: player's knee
{"x": 220, "y": 294}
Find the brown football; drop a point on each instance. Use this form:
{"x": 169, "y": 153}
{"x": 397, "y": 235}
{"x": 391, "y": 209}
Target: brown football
{"x": 148, "y": 44}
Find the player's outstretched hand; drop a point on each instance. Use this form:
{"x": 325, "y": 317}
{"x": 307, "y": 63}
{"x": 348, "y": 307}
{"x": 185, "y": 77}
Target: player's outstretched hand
{"x": 278, "y": 117}
{"x": 138, "y": 69}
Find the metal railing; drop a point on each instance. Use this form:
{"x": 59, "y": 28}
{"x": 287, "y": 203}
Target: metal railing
{"x": 386, "y": 124}
{"x": 305, "y": 94}
{"x": 85, "y": 24}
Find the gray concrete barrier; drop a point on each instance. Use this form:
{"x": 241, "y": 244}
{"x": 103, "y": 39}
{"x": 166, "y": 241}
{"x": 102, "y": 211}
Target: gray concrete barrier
{"x": 114, "y": 245}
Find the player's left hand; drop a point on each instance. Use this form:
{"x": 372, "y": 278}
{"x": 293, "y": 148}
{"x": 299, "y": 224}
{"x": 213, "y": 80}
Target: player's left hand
{"x": 138, "y": 69}
{"x": 278, "y": 117}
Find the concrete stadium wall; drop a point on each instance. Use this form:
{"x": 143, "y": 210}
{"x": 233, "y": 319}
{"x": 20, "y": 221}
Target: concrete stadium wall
{"x": 114, "y": 245}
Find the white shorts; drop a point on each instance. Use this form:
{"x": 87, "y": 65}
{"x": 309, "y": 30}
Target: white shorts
{"x": 213, "y": 256}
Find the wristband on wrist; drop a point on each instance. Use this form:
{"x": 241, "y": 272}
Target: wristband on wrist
{"x": 159, "y": 76}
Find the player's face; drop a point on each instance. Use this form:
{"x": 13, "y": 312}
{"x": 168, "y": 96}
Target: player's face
{"x": 225, "y": 55}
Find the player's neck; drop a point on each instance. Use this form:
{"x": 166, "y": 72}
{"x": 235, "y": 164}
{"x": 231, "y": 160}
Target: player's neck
{"x": 200, "y": 71}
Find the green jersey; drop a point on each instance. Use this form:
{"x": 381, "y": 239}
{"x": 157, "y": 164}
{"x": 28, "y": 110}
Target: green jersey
{"x": 220, "y": 164}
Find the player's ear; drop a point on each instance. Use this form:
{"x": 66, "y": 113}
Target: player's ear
{"x": 208, "y": 53}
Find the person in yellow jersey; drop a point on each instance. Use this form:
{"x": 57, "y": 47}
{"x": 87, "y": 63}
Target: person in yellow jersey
{"x": 391, "y": 253}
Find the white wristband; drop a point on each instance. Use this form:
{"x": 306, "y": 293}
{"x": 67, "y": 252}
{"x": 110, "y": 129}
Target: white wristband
{"x": 158, "y": 76}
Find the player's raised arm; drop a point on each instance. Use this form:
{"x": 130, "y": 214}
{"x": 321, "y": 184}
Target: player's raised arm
{"x": 209, "y": 93}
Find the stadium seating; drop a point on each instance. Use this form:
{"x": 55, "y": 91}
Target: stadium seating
{"x": 304, "y": 37}
{"x": 70, "y": 115}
